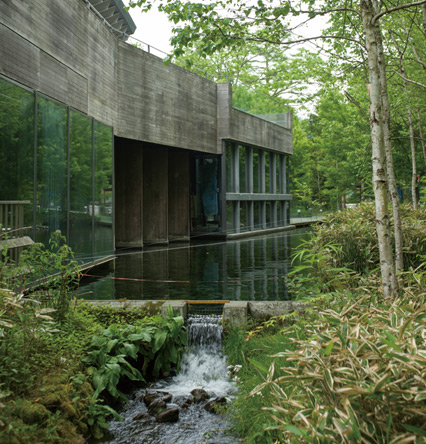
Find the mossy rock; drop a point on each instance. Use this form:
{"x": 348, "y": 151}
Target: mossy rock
{"x": 69, "y": 410}
{"x": 51, "y": 400}
{"x": 69, "y": 433}
{"x": 31, "y": 412}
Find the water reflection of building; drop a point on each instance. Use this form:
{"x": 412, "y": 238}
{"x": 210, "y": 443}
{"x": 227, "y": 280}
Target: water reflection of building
{"x": 249, "y": 269}
{"x": 116, "y": 149}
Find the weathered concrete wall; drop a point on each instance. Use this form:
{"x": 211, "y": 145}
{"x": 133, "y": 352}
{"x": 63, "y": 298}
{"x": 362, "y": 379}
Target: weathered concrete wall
{"x": 162, "y": 104}
{"x": 63, "y": 50}
{"x": 248, "y": 129}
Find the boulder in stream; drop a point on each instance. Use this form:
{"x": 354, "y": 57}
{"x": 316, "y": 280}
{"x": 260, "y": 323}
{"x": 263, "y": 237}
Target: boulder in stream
{"x": 199, "y": 395}
{"x": 149, "y": 397}
{"x": 141, "y": 417}
{"x": 168, "y": 415}
{"x": 156, "y": 406}
{"x": 213, "y": 405}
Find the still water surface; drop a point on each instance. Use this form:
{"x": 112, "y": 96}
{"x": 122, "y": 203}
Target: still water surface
{"x": 245, "y": 269}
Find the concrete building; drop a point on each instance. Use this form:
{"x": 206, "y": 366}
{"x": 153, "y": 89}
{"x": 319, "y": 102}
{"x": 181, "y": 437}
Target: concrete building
{"x": 108, "y": 144}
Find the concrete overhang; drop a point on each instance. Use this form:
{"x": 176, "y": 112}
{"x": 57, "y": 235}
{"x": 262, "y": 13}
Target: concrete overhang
{"x": 116, "y": 15}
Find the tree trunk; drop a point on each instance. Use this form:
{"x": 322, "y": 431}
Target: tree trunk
{"x": 421, "y": 135}
{"x": 424, "y": 18}
{"x": 393, "y": 191}
{"x": 410, "y": 127}
{"x": 368, "y": 10}
{"x": 413, "y": 155}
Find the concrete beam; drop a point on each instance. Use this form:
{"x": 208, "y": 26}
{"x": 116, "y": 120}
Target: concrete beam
{"x": 257, "y": 196}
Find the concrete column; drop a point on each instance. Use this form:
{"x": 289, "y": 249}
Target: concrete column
{"x": 128, "y": 193}
{"x": 283, "y": 174}
{"x": 273, "y": 172}
{"x": 155, "y": 194}
{"x": 249, "y": 169}
{"x": 178, "y": 196}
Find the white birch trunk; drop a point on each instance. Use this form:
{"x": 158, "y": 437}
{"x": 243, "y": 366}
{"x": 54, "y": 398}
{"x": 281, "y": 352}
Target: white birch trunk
{"x": 393, "y": 191}
{"x": 368, "y": 10}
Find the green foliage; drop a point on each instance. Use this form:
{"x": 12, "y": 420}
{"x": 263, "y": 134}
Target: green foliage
{"x": 115, "y": 353}
{"x": 353, "y": 232}
{"x": 107, "y": 315}
{"x": 47, "y": 344}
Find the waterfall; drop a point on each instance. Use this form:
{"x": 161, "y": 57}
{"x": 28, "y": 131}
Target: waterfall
{"x": 193, "y": 394}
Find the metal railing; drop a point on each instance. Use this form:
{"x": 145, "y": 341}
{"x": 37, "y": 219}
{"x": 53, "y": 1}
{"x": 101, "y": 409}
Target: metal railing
{"x": 12, "y": 216}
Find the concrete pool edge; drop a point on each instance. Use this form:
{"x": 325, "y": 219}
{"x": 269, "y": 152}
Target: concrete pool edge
{"x": 235, "y": 313}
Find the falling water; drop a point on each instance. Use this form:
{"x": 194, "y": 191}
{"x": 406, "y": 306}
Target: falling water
{"x": 203, "y": 367}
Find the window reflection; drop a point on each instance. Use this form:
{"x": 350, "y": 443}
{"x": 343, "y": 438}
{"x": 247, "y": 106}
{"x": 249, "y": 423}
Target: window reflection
{"x": 81, "y": 196}
{"x": 51, "y": 168}
{"x": 17, "y": 146}
{"x": 90, "y": 186}
{"x": 104, "y": 242}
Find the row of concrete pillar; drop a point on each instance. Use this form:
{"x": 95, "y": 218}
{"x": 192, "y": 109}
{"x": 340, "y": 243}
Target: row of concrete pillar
{"x": 276, "y": 195}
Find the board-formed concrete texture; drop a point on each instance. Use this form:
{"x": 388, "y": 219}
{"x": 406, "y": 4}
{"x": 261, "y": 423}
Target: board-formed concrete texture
{"x": 63, "y": 50}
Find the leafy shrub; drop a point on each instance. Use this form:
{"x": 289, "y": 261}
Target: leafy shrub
{"x": 353, "y": 231}
{"x": 115, "y": 353}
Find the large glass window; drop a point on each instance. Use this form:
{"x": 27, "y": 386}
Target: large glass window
{"x": 104, "y": 240}
{"x": 72, "y": 193}
{"x": 17, "y": 146}
{"x": 52, "y": 137}
{"x": 81, "y": 175}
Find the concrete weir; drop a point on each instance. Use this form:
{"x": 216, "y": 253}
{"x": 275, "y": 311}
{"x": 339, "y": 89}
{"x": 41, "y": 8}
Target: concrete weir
{"x": 234, "y": 314}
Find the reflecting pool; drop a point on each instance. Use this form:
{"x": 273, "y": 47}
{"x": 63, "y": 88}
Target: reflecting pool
{"x": 245, "y": 269}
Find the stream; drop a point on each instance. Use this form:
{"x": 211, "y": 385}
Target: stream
{"x": 193, "y": 394}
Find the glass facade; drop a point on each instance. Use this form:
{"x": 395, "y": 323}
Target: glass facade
{"x": 256, "y": 195}
{"x": 58, "y": 164}
{"x": 17, "y": 146}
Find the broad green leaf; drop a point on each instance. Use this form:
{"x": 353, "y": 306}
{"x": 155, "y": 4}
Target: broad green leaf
{"x": 159, "y": 339}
